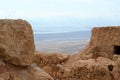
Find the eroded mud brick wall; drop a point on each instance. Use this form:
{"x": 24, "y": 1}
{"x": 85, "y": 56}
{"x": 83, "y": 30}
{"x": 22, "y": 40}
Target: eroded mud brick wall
{"x": 106, "y": 38}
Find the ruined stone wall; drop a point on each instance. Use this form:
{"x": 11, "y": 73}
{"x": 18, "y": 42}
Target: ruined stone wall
{"x": 105, "y": 38}
{"x": 102, "y": 42}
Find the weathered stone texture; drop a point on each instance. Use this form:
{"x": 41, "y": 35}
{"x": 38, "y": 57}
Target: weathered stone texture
{"x": 16, "y": 42}
{"x": 43, "y": 59}
{"x": 102, "y": 43}
{"x": 105, "y": 38}
{"x": 17, "y": 52}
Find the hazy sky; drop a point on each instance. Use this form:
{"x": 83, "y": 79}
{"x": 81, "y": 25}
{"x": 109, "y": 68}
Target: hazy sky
{"x": 63, "y": 15}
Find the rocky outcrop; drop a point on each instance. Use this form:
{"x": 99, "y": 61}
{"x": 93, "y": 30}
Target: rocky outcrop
{"x": 16, "y": 42}
{"x": 17, "y": 52}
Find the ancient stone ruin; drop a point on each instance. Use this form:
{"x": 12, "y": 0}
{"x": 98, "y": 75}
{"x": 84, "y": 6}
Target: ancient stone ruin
{"x": 105, "y": 42}
{"x": 100, "y": 60}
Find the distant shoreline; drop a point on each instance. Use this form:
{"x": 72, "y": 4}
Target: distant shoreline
{"x": 38, "y": 32}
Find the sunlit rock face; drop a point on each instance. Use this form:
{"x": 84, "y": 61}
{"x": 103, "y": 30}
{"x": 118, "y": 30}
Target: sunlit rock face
{"x": 17, "y": 52}
{"x": 16, "y": 42}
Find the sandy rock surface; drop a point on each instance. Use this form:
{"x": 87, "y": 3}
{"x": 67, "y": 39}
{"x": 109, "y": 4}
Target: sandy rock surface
{"x": 17, "y": 52}
{"x": 16, "y": 42}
